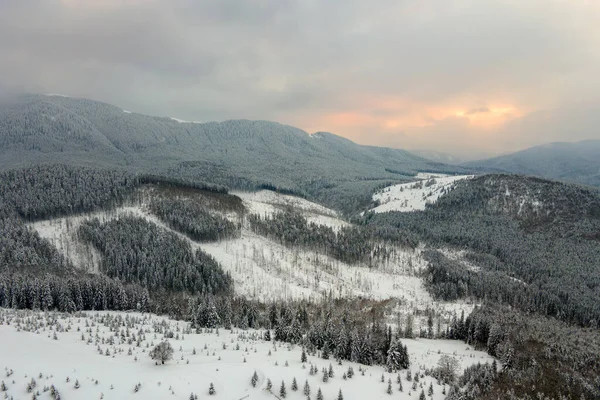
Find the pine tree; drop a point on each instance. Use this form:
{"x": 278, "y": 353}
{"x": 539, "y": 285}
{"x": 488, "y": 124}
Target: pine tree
{"x": 211, "y": 389}
{"x": 430, "y": 391}
{"x": 306, "y": 389}
{"x": 254, "y": 379}
{"x": 325, "y": 376}
{"x": 422, "y": 396}
{"x": 303, "y": 358}
{"x": 294, "y": 384}
{"x": 330, "y": 371}
{"x": 282, "y": 390}
{"x": 319, "y": 394}
{"x": 269, "y": 385}
{"x": 389, "y": 387}
{"x": 340, "y": 395}
{"x": 350, "y": 372}
{"x": 400, "y": 388}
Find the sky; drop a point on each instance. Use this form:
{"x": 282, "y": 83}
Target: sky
{"x": 471, "y": 78}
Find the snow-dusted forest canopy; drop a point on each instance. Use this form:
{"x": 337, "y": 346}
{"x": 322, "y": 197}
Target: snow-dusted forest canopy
{"x": 132, "y": 219}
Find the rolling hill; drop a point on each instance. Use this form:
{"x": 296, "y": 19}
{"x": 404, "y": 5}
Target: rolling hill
{"x": 577, "y": 162}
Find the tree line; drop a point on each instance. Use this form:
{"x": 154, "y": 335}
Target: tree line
{"x": 194, "y": 219}
{"x": 350, "y": 244}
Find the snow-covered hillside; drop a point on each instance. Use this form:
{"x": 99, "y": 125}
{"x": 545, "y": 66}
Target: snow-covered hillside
{"x": 415, "y": 195}
{"x": 264, "y": 269}
{"x": 106, "y": 356}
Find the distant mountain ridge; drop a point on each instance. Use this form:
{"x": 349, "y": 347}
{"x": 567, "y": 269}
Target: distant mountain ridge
{"x": 38, "y": 129}
{"x": 577, "y": 162}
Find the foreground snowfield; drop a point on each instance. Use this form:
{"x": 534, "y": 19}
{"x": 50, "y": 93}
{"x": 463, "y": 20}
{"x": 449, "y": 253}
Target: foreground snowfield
{"x": 28, "y": 350}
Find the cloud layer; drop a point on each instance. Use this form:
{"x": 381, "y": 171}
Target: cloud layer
{"x": 461, "y": 76}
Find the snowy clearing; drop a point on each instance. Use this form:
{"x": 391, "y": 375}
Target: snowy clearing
{"x": 266, "y": 203}
{"x": 106, "y": 354}
{"x": 414, "y": 195}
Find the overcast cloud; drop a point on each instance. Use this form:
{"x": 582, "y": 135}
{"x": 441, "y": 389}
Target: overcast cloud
{"x": 457, "y": 76}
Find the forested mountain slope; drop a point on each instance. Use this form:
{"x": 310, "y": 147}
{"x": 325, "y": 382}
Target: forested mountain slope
{"x": 528, "y": 242}
{"x": 576, "y": 162}
{"x": 237, "y": 153}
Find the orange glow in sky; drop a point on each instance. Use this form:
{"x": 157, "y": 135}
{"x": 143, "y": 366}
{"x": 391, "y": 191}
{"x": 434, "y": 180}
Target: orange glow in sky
{"x": 399, "y": 114}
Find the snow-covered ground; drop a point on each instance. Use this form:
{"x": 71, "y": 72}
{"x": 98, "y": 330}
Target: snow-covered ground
{"x": 265, "y": 269}
{"x": 266, "y": 202}
{"x": 414, "y": 195}
{"x": 98, "y": 350}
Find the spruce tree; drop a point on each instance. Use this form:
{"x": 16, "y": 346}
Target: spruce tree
{"x": 340, "y": 395}
{"x": 269, "y": 384}
{"x": 326, "y": 351}
{"x": 325, "y": 376}
{"x": 430, "y": 391}
{"x": 389, "y": 388}
{"x": 422, "y": 395}
{"x": 254, "y": 379}
{"x": 306, "y": 389}
{"x": 294, "y": 384}
{"x": 211, "y": 389}
{"x": 319, "y": 394}
{"x": 282, "y": 390}
{"x": 330, "y": 371}
{"x": 303, "y": 358}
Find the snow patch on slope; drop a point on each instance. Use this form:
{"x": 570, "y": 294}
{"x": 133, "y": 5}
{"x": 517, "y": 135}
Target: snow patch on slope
{"x": 267, "y": 202}
{"x": 183, "y": 121}
{"x": 414, "y": 196}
